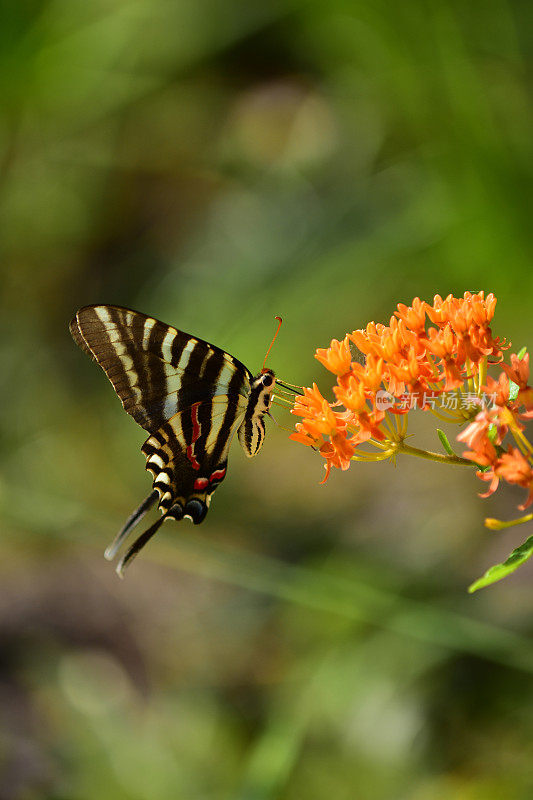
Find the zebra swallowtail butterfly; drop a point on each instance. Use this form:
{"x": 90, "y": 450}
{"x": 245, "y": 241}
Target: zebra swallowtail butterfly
{"x": 189, "y": 395}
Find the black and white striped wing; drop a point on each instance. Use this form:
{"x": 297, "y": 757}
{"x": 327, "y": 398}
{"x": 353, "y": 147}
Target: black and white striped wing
{"x": 156, "y": 370}
{"x": 187, "y": 456}
{"x": 188, "y": 459}
{"x": 190, "y": 395}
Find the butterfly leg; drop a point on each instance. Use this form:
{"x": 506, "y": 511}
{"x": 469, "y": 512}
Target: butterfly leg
{"x": 136, "y": 517}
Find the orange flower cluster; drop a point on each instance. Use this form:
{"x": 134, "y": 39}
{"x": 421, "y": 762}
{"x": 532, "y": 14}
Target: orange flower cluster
{"x": 433, "y": 357}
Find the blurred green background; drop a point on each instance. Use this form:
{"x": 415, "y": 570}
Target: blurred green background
{"x": 214, "y": 164}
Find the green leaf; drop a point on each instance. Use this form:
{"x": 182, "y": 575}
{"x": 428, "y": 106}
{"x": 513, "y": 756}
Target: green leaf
{"x": 513, "y": 390}
{"x": 522, "y": 353}
{"x": 492, "y": 433}
{"x": 445, "y": 443}
{"x": 499, "y": 571}
{"x": 483, "y": 467}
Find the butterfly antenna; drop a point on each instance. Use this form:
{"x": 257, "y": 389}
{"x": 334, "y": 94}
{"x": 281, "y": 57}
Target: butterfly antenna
{"x": 272, "y": 342}
{"x": 130, "y": 523}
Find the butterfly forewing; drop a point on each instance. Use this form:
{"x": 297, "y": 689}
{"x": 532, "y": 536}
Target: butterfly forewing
{"x": 155, "y": 369}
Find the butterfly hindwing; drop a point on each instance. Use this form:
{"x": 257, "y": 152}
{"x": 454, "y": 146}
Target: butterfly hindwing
{"x": 187, "y": 456}
{"x": 187, "y": 462}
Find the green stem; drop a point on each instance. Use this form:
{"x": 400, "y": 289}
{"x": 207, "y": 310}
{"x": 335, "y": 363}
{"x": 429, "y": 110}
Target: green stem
{"x": 442, "y": 457}
{"x": 482, "y": 375}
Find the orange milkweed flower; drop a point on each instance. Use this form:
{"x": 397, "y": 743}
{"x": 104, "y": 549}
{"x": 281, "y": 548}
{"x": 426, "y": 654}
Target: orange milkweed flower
{"x": 482, "y": 308}
{"x": 514, "y": 467}
{"x": 301, "y": 436}
{"x": 368, "y": 341}
{"x": 372, "y": 374}
{"x": 337, "y": 357}
{"x": 484, "y": 454}
{"x": 351, "y": 393}
{"x": 414, "y": 316}
{"x": 415, "y": 375}
{"x": 475, "y": 433}
{"x": 311, "y": 403}
{"x": 489, "y": 475}
{"x": 318, "y": 418}
{"x": 518, "y": 372}
{"x": 338, "y": 453}
{"x": 442, "y": 343}
{"x": 437, "y": 312}
{"x": 369, "y": 423}
{"x": 497, "y": 390}
{"x": 390, "y": 342}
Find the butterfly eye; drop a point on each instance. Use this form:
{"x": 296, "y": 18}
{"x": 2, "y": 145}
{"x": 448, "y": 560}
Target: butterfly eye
{"x": 267, "y": 380}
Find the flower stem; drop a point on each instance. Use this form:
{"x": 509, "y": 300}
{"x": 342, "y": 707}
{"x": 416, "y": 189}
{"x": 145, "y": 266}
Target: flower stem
{"x": 498, "y": 524}
{"x": 431, "y": 456}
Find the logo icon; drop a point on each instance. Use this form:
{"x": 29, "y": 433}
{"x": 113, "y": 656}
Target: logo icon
{"x": 384, "y": 400}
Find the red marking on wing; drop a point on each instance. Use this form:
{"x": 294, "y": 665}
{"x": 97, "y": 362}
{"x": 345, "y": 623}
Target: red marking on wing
{"x": 217, "y": 475}
{"x": 192, "y": 457}
{"x": 200, "y": 483}
{"x": 195, "y": 436}
{"x": 195, "y": 423}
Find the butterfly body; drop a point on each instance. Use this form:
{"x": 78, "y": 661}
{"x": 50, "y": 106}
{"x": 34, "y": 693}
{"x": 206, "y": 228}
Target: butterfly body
{"x": 251, "y": 432}
{"x": 191, "y": 396}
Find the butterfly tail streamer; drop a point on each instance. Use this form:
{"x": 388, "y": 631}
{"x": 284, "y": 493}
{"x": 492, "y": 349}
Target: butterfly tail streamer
{"x": 138, "y": 545}
{"x": 130, "y": 523}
